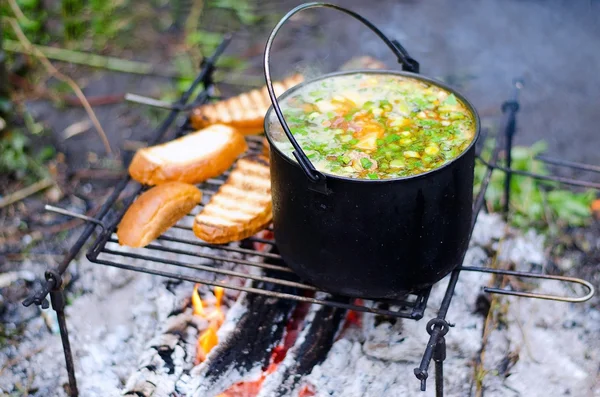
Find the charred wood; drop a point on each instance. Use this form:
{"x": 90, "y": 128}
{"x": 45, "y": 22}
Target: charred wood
{"x": 246, "y": 351}
{"x": 310, "y": 349}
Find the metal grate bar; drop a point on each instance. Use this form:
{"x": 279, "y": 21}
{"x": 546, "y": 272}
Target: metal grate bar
{"x": 255, "y": 290}
{"x": 202, "y": 255}
{"x": 200, "y": 243}
{"x": 214, "y": 269}
{"x": 570, "y": 164}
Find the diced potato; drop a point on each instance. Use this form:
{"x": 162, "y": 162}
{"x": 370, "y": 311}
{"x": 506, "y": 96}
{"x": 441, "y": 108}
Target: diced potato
{"x": 432, "y": 150}
{"x": 325, "y": 106}
{"x": 402, "y": 107}
{"x": 411, "y": 154}
{"x": 397, "y": 163}
{"x": 367, "y": 142}
{"x": 399, "y": 122}
{"x": 353, "y": 96}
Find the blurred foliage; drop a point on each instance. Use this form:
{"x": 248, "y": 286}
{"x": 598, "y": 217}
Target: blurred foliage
{"x": 106, "y": 26}
{"x": 82, "y": 24}
{"x": 18, "y": 158}
{"x": 244, "y": 10}
{"x": 72, "y": 18}
{"x": 536, "y": 204}
{"x": 33, "y": 25}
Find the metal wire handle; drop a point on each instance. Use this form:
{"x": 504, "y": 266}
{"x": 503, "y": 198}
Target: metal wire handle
{"x": 408, "y": 64}
{"x": 571, "y": 280}
{"x": 86, "y": 218}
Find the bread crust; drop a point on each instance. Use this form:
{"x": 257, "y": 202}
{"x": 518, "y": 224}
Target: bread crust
{"x": 241, "y": 207}
{"x": 156, "y": 210}
{"x": 159, "y": 164}
{"x": 245, "y": 112}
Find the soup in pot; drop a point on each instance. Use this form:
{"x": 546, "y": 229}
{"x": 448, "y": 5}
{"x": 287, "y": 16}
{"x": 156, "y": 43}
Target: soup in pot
{"x": 374, "y": 126}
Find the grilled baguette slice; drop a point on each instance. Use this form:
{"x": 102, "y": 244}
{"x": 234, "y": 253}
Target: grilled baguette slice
{"x": 192, "y": 158}
{"x": 156, "y": 210}
{"x": 242, "y": 206}
{"x": 245, "y": 112}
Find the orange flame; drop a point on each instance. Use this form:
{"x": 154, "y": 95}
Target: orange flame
{"x": 219, "y": 296}
{"x": 197, "y": 302}
{"x": 212, "y": 312}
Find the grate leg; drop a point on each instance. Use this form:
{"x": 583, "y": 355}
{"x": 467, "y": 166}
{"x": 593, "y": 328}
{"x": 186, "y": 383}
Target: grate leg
{"x": 508, "y": 176}
{"x": 512, "y": 107}
{"x": 439, "y": 355}
{"x": 57, "y": 296}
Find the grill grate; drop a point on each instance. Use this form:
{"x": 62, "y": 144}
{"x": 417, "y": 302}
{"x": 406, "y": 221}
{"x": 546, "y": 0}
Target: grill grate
{"x": 193, "y": 254}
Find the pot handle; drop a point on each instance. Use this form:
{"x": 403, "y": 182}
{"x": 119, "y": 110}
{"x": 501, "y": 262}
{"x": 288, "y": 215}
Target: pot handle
{"x": 317, "y": 179}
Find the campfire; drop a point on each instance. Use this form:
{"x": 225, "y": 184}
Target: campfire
{"x": 248, "y": 326}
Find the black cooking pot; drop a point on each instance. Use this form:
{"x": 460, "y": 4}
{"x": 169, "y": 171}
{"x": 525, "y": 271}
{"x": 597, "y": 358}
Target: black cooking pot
{"x": 369, "y": 238}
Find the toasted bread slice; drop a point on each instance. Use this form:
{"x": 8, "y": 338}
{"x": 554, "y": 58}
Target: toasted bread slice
{"x": 242, "y": 205}
{"x": 155, "y": 211}
{"x": 245, "y": 112}
{"x": 192, "y": 158}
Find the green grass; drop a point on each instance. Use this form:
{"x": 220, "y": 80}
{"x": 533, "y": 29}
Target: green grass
{"x": 543, "y": 205}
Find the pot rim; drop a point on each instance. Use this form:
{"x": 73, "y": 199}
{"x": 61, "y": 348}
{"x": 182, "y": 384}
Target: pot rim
{"x": 416, "y": 76}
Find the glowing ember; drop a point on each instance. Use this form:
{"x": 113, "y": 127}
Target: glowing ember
{"x": 212, "y": 312}
{"x": 249, "y": 389}
{"x": 252, "y": 388}
{"x": 307, "y": 391}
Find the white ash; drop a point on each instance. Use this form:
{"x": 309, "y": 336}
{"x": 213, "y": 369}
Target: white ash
{"x": 544, "y": 348}
{"x": 489, "y": 228}
{"x": 523, "y": 249}
{"x": 557, "y": 342}
{"x": 170, "y": 353}
{"x": 8, "y": 278}
{"x": 100, "y": 325}
{"x": 380, "y": 362}
{"x": 110, "y": 325}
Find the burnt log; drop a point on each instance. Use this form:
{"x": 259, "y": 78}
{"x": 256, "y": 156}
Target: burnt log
{"x": 167, "y": 357}
{"x": 310, "y": 349}
{"x": 246, "y": 350}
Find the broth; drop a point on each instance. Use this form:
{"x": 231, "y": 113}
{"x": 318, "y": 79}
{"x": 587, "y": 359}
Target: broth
{"x": 374, "y": 126}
